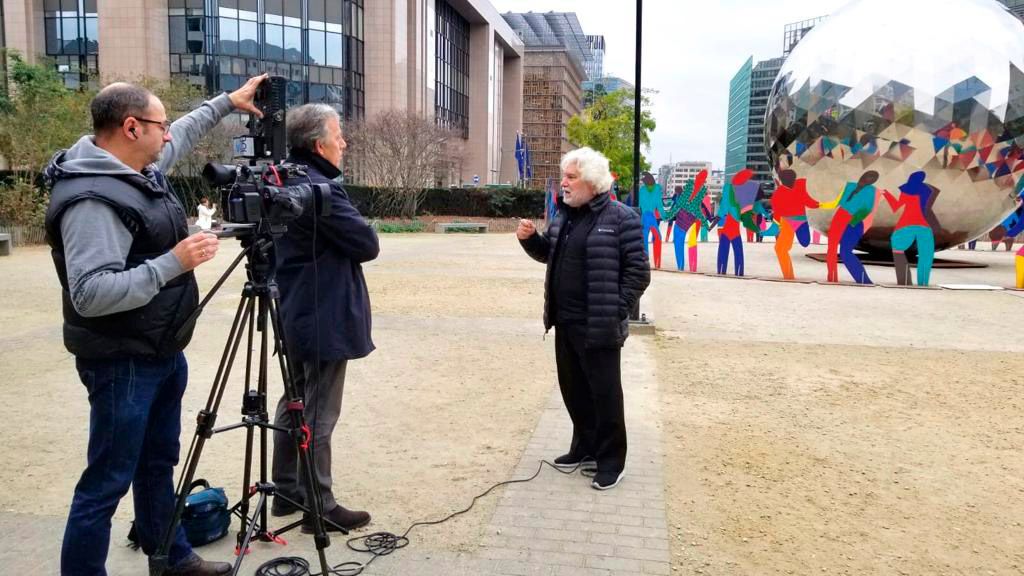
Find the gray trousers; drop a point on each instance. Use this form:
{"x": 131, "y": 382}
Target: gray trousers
{"x": 321, "y": 411}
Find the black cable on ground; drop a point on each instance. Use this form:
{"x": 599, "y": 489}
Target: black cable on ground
{"x": 384, "y": 543}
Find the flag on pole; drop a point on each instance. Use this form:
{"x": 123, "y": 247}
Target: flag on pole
{"x": 526, "y": 159}
{"x": 520, "y": 157}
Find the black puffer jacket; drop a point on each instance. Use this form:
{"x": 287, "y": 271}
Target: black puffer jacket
{"x": 616, "y": 267}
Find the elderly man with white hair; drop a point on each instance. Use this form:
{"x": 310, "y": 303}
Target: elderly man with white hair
{"x": 596, "y": 273}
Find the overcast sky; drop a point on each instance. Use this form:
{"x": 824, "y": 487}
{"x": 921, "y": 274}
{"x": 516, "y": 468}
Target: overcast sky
{"x": 692, "y": 48}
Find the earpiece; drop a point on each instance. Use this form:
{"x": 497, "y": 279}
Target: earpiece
{"x": 132, "y": 130}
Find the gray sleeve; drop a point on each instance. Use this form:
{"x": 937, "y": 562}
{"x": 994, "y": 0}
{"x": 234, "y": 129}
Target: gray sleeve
{"x": 96, "y": 245}
{"x": 189, "y": 129}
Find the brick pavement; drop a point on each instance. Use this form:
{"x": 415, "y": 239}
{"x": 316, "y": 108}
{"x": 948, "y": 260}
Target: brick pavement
{"x": 559, "y": 525}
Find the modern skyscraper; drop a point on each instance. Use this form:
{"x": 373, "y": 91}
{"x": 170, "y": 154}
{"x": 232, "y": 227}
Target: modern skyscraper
{"x": 596, "y": 70}
{"x": 738, "y": 119}
{"x": 761, "y": 79}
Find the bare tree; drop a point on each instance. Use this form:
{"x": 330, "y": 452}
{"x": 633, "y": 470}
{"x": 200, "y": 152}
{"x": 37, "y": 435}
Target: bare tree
{"x": 401, "y": 154}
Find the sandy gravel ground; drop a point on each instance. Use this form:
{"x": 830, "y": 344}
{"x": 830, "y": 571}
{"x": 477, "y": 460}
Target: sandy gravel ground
{"x": 842, "y": 430}
{"x": 808, "y": 429}
{"x": 440, "y": 411}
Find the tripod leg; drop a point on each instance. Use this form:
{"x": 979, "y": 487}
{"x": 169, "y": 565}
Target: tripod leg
{"x": 264, "y": 304}
{"x": 313, "y": 500}
{"x": 247, "y": 469}
{"x": 243, "y": 546}
{"x": 158, "y": 562}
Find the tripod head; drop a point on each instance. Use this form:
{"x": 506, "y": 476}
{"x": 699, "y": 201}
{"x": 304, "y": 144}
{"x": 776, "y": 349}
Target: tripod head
{"x": 258, "y": 250}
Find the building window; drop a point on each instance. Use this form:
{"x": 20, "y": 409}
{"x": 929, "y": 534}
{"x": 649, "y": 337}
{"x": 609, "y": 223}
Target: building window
{"x": 72, "y": 39}
{"x": 221, "y": 43}
{"x": 451, "y": 90}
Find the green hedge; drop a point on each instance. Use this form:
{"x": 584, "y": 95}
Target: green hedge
{"x": 480, "y": 202}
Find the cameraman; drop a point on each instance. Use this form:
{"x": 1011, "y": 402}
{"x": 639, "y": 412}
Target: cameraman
{"x": 325, "y": 308}
{"x": 120, "y": 243}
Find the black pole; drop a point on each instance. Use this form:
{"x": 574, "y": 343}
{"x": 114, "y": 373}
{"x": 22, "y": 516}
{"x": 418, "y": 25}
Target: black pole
{"x": 635, "y": 314}
{"x": 636, "y": 102}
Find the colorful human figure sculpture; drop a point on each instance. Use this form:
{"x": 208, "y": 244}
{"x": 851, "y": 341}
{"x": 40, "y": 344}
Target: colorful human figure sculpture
{"x": 705, "y": 229}
{"x": 690, "y": 210}
{"x": 916, "y": 226}
{"x": 789, "y": 210}
{"x": 668, "y": 228}
{"x": 736, "y": 208}
{"x": 651, "y": 205}
{"x": 851, "y": 219}
{"x": 1015, "y": 227}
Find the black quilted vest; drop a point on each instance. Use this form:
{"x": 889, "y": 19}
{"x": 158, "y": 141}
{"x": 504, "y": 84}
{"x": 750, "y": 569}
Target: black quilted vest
{"x": 157, "y": 221}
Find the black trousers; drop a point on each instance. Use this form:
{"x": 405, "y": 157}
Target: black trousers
{"x": 591, "y": 385}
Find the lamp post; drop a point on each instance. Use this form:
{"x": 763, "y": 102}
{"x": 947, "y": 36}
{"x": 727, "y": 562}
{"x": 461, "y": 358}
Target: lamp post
{"x": 636, "y": 102}
{"x": 634, "y": 316}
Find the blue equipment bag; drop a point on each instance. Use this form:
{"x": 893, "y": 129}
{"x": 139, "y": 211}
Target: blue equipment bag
{"x": 206, "y": 517}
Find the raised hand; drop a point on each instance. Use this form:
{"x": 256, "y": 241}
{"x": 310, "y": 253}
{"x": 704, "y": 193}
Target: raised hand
{"x": 525, "y": 229}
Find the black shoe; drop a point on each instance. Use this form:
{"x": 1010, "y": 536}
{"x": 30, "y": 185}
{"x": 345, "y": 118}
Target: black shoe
{"x": 607, "y": 480}
{"x": 282, "y": 507}
{"x": 571, "y": 460}
{"x": 347, "y": 519}
{"x": 196, "y": 566}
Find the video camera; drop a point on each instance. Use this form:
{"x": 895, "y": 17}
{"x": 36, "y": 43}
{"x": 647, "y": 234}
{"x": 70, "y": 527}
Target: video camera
{"x": 254, "y": 193}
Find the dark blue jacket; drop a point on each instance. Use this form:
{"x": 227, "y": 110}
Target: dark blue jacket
{"x": 339, "y": 304}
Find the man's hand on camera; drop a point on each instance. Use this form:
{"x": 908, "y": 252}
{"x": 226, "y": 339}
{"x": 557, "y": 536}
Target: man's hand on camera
{"x": 526, "y": 229}
{"x": 242, "y": 98}
{"x": 196, "y": 249}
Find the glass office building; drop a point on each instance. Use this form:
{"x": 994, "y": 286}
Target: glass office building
{"x": 738, "y": 120}
{"x": 71, "y": 31}
{"x": 316, "y": 44}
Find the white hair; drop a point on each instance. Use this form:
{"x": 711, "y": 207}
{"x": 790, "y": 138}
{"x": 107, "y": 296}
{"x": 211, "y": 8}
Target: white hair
{"x": 307, "y": 124}
{"x": 593, "y": 167}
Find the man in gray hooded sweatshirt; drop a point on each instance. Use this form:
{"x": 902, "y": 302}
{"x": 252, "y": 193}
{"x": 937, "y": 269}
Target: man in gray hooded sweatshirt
{"x": 120, "y": 243}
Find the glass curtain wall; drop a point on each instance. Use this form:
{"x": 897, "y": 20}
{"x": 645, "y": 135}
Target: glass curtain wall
{"x": 738, "y": 120}
{"x": 451, "y": 84}
{"x": 71, "y": 30}
{"x": 316, "y": 44}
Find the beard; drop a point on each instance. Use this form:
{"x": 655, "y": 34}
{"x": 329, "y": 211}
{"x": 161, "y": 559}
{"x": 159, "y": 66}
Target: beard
{"x": 578, "y": 199}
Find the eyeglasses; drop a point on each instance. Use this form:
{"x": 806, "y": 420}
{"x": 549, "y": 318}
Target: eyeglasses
{"x": 165, "y": 125}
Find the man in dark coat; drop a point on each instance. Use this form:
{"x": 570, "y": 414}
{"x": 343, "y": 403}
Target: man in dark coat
{"x": 596, "y": 272}
{"x": 325, "y": 309}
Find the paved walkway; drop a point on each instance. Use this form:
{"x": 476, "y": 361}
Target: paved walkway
{"x": 554, "y": 525}
{"x": 559, "y": 525}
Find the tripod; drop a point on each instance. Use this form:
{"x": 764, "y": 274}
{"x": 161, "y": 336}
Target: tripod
{"x": 260, "y": 302}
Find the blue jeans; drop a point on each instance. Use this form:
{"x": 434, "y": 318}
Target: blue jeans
{"x": 134, "y": 424}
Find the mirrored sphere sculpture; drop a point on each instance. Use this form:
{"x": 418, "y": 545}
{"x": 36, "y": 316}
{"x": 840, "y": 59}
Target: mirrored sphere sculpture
{"x": 898, "y": 86}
